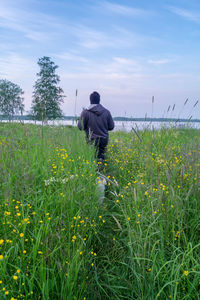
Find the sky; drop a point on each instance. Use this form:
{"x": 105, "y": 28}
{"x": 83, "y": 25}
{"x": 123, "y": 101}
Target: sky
{"x": 128, "y": 51}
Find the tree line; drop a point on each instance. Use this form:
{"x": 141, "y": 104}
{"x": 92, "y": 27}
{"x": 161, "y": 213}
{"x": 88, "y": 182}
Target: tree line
{"x": 47, "y": 95}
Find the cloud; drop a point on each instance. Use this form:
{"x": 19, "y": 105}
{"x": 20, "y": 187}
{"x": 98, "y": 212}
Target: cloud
{"x": 41, "y": 27}
{"x": 90, "y": 38}
{"x": 186, "y": 14}
{"x": 115, "y": 38}
{"x": 160, "y": 61}
{"x": 71, "y": 57}
{"x": 26, "y": 22}
{"x": 21, "y": 71}
{"x": 122, "y": 9}
{"x": 119, "y": 73}
{"x": 122, "y": 67}
{"x": 115, "y": 68}
{"x": 14, "y": 66}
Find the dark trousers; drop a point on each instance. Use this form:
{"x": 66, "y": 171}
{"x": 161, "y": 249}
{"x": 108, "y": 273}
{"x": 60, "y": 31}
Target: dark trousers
{"x": 100, "y": 144}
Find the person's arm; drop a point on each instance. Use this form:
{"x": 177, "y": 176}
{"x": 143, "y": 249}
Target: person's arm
{"x": 111, "y": 123}
{"x": 82, "y": 122}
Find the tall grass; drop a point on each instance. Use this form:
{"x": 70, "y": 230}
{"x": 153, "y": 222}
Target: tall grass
{"x": 48, "y": 212}
{"x": 57, "y": 241}
{"x": 157, "y": 206}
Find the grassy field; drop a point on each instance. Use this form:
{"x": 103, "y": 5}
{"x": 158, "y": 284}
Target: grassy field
{"x": 58, "y": 241}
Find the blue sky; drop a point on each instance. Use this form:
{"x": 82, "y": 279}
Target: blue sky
{"x": 126, "y": 50}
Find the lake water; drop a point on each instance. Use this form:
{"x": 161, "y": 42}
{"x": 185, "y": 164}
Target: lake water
{"x": 124, "y": 125}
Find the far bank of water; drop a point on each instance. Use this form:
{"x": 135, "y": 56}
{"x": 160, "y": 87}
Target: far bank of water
{"x": 122, "y": 125}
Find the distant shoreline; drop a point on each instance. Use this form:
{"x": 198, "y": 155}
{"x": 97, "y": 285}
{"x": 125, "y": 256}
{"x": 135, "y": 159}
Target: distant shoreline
{"x": 122, "y": 119}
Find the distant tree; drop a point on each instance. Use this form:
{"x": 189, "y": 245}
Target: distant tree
{"x": 47, "y": 96}
{"x": 11, "y": 101}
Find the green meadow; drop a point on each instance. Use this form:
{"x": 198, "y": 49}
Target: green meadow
{"x": 59, "y": 241}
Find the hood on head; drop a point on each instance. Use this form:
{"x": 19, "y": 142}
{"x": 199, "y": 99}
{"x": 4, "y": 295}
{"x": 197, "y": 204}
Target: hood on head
{"x": 97, "y": 109}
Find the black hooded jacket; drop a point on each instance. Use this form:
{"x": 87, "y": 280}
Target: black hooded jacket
{"x": 96, "y": 121}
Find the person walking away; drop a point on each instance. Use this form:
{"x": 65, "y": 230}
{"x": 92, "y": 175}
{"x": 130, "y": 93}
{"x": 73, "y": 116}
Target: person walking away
{"x": 96, "y": 121}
